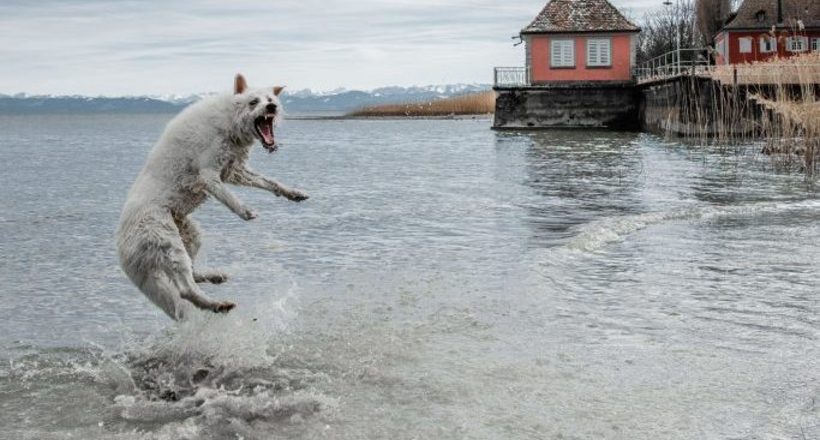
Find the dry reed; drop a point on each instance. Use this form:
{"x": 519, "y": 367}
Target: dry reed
{"x": 472, "y": 104}
{"x": 800, "y": 69}
{"x": 773, "y": 101}
{"x": 789, "y": 108}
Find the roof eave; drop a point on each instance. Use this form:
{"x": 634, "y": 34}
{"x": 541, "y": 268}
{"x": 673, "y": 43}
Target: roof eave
{"x": 766, "y": 28}
{"x": 597, "y": 31}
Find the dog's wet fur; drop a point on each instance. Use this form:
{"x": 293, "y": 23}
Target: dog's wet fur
{"x": 202, "y": 149}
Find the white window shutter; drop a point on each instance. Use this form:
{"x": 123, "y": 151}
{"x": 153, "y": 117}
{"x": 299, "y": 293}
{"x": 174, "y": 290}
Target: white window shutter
{"x": 562, "y": 53}
{"x": 592, "y": 52}
{"x": 555, "y": 53}
{"x": 599, "y": 52}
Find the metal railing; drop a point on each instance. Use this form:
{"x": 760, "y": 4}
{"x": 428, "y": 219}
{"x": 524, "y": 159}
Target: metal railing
{"x": 674, "y": 63}
{"x": 511, "y": 77}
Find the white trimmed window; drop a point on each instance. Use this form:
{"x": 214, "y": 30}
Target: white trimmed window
{"x": 562, "y": 53}
{"x": 815, "y": 44}
{"x": 745, "y": 45}
{"x": 797, "y": 44}
{"x": 768, "y": 44}
{"x": 599, "y": 52}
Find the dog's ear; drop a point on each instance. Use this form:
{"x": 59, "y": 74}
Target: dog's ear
{"x": 239, "y": 84}
{"x": 278, "y": 90}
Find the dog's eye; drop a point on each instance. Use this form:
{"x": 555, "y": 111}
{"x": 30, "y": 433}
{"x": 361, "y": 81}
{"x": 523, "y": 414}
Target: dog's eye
{"x": 253, "y": 102}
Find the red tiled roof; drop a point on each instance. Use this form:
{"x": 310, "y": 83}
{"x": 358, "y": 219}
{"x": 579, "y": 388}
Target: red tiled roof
{"x": 762, "y": 14}
{"x": 579, "y": 16}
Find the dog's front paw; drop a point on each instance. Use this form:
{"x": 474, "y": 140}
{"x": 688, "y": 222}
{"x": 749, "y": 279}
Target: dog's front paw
{"x": 295, "y": 195}
{"x": 247, "y": 214}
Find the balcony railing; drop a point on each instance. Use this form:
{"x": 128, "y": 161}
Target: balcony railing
{"x": 511, "y": 77}
{"x": 676, "y": 62}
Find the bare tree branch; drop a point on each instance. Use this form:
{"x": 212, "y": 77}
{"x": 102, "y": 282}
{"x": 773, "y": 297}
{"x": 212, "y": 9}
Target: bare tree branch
{"x": 662, "y": 27}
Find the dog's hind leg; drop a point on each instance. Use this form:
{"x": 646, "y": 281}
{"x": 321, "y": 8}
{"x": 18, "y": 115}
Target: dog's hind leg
{"x": 162, "y": 292}
{"x": 183, "y": 281}
{"x": 191, "y": 238}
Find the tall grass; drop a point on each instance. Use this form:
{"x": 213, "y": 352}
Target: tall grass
{"x": 786, "y": 92}
{"x": 776, "y": 101}
{"x": 472, "y": 104}
{"x": 799, "y": 69}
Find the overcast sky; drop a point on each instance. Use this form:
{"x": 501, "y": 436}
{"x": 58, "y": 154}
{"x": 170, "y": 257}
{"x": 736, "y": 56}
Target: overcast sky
{"x": 108, "y": 47}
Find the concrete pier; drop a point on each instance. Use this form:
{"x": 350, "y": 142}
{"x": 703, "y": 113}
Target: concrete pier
{"x": 610, "y": 105}
{"x": 686, "y": 105}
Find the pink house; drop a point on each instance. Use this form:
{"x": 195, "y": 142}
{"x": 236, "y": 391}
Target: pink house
{"x": 578, "y": 73}
{"x": 580, "y": 40}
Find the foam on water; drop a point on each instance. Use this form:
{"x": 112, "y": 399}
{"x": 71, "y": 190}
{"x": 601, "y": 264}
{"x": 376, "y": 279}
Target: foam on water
{"x": 210, "y": 377}
{"x": 596, "y": 235}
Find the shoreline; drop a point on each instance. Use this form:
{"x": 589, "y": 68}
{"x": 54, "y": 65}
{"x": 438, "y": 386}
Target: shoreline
{"x": 483, "y": 116}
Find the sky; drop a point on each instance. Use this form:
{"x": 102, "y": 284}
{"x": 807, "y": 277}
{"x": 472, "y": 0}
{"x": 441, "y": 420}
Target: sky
{"x": 141, "y": 47}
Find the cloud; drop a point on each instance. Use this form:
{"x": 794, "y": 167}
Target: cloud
{"x": 148, "y": 47}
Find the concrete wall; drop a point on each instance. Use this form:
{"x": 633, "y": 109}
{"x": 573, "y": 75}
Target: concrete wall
{"x": 689, "y": 106}
{"x": 538, "y": 51}
{"x": 667, "y": 107}
{"x": 581, "y": 105}
{"x": 692, "y": 106}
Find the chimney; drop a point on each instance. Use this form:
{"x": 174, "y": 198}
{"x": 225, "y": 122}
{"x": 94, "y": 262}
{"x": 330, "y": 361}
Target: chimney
{"x": 779, "y": 11}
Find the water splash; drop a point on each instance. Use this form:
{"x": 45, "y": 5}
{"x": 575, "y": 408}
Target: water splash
{"x": 210, "y": 377}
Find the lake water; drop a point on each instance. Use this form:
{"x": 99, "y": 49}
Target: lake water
{"x": 443, "y": 282}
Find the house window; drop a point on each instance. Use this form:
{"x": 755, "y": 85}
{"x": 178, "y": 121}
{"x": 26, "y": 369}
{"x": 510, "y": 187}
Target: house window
{"x": 599, "y": 52}
{"x": 797, "y": 44}
{"x": 815, "y": 44}
{"x": 562, "y": 53}
{"x": 768, "y": 44}
{"x": 745, "y": 45}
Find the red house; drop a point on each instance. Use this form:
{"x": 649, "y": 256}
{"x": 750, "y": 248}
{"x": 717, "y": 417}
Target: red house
{"x": 764, "y": 29}
{"x": 580, "y": 40}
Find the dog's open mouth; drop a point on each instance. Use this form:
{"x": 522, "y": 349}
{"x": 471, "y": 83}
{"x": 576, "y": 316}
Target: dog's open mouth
{"x": 264, "y": 129}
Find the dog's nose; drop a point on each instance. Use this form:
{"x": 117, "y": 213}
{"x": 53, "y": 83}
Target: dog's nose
{"x": 271, "y": 108}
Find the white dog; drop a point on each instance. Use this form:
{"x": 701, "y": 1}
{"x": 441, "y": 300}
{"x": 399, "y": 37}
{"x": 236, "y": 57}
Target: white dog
{"x": 204, "y": 147}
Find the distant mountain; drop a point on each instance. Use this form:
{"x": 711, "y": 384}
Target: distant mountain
{"x": 296, "y": 102}
{"x": 306, "y": 101}
{"x": 24, "y": 104}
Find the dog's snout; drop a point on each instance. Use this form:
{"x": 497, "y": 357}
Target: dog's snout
{"x": 271, "y": 108}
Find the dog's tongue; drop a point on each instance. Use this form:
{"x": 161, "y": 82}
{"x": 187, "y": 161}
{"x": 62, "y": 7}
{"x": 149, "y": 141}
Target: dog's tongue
{"x": 267, "y": 134}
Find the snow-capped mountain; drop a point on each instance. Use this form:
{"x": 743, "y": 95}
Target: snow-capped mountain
{"x": 32, "y": 104}
{"x": 296, "y": 101}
